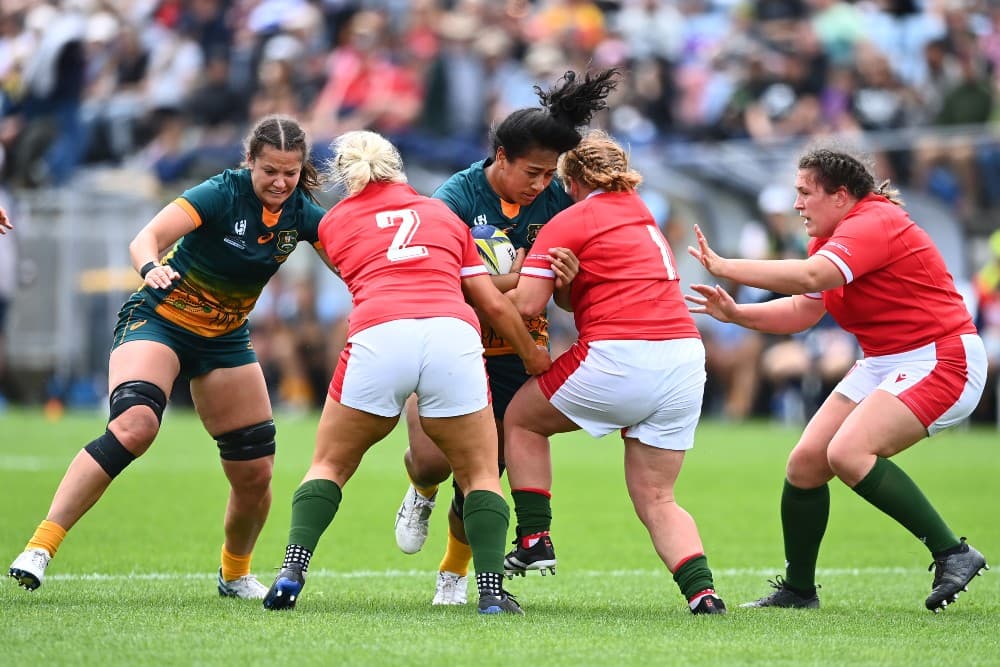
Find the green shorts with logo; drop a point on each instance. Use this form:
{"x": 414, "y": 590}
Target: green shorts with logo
{"x": 507, "y": 375}
{"x": 137, "y": 320}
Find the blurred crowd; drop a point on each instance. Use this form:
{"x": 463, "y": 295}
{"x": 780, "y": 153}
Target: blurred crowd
{"x": 165, "y": 89}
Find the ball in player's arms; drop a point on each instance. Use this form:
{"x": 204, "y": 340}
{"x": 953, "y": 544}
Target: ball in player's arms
{"x": 495, "y": 248}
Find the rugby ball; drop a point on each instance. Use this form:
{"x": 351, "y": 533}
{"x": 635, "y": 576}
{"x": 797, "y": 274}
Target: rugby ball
{"x": 495, "y": 248}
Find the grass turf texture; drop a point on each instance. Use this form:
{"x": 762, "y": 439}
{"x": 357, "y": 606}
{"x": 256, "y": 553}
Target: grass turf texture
{"x": 134, "y": 583}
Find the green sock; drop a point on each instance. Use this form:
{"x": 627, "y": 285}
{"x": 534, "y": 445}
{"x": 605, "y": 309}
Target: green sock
{"x": 891, "y": 490}
{"x": 804, "y": 514}
{"x": 486, "y": 518}
{"x": 694, "y": 576}
{"x": 314, "y": 505}
{"x": 533, "y": 510}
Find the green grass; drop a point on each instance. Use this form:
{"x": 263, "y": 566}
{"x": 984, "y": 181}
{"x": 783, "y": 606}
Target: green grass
{"x": 133, "y": 584}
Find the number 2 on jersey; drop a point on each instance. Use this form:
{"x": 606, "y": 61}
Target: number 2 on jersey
{"x": 407, "y": 221}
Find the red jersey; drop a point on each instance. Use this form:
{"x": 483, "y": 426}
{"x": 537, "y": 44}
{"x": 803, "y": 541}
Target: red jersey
{"x": 401, "y": 254}
{"x": 898, "y": 293}
{"x": 627, "y": 287}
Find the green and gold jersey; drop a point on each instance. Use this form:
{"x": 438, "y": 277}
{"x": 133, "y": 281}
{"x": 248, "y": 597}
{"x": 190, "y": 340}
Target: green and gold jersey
{"x": 473, "y": 199}
{"x": 235, "y": 249}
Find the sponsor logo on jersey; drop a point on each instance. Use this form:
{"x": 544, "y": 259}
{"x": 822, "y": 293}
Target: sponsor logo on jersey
{"x": 136, "y": 325}
{"x": 236, "y": 242}
{"x": 265, "y": 238}
{"x": 843, "y": 248}
{"x": 240, "y": 227}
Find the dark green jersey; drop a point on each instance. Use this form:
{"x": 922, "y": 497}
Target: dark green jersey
{"x": 473, "y": 199}
{"x": 235, "y": 249}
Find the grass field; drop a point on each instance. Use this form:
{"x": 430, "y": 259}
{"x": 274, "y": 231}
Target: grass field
{"x": 133, "y": 584}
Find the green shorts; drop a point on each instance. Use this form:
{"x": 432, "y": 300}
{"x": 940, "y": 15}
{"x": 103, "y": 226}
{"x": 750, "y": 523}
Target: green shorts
{"x": 137, "y": 320}
{"x": 507, "y": 375}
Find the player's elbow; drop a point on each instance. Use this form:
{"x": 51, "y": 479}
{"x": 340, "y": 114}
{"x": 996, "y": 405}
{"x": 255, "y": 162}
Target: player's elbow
{"x": 530, "y": 307}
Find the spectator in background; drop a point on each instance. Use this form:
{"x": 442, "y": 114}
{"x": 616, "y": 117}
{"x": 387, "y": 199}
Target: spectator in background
{"x": 364, "y": 87}
{"x": 114, "y": 106}
{"x": 987, "y": 285}
{"x": 51, "y": 141}
{"x": 968, "y": 102}
{"x": 8, "y": 287}
{"x": 279, "y": 85}
{"x": 732, "y": 360}
{"x": 452, "y": 120}
{"x": 576, "y": 26}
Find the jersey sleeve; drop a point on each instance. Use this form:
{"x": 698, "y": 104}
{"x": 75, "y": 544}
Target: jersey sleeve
{"x": 311, "y": 215}
{"x": 455, "y": 196}
{"x": 859, "y": 245}
{"x": 561, "y": 231}
{"x": 472, "y": 263}
{"x": 207, "y": 201}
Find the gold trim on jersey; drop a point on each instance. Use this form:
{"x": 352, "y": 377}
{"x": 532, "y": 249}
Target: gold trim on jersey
{"x": 191, "y": 210}
{"x": 268, "y": 218}
{"x": 509, "y": 209}
{"x": 494, "y": 345}
{"x": 196, "y": 311}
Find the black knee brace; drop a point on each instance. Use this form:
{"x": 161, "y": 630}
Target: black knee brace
{"x": 245, "y": 444}
{"x": 458, "y": 500}
{"x": 138, "y": 392}
{"x": 110, "y": 454}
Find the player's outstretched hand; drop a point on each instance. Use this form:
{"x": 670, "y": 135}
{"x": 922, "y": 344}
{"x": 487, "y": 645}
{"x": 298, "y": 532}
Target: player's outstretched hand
{"x": 704, "y": 254}
{"x": 713, "y": 301}
{"x": 4, "y": 222}
{"x": 565, "y": 264}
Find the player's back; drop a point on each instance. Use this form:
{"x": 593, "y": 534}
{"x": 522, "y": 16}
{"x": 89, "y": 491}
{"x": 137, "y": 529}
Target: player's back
{"x": 400, "y": 253}
{"x": 628, "y": 285}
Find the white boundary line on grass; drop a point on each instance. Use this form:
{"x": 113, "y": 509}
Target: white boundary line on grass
{"x": 390, "y": 574}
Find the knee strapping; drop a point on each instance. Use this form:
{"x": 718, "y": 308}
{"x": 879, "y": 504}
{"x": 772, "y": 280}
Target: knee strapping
{"x": 138, "y": 392}
{"x": 110, "y": 454}
{"x": 245, "y": 444}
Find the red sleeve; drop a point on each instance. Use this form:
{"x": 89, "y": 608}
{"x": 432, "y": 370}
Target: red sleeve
{"x": 859, "y": 245}
{"x": 562, "y": 231}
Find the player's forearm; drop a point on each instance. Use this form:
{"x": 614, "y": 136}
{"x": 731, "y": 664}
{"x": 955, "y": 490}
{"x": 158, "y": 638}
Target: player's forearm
{"x": 774, "y": 317}
{"x": 143, "y": 249}
{"x": 505, "y": 319}
{"x": 784, "y": 276}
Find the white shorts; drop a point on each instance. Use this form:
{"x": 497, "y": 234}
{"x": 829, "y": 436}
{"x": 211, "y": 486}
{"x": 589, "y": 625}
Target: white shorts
{"x": 439, "y": 358}
{"x": 652, "y": 390}
{"x": 941, "y": 383}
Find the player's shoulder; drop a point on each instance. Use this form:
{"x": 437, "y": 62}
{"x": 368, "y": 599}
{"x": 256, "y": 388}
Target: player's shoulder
{"x": 470, "y": 180}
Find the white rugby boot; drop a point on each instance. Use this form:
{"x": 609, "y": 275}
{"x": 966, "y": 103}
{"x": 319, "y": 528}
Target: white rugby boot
{"x": 245, "y": 588}
{"x": 452, "y": 588}
{"x": 412, "y": 521}
{"x": 29, "y": 568}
